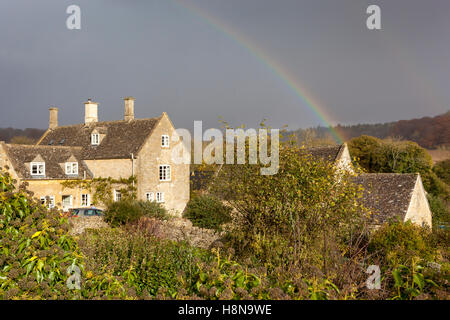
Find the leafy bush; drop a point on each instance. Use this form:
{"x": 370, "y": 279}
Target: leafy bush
{"x": 37, "y": 253}
{"x": 397, "y": 242}
{"x": 207, "y": 212}
{"x": 442, "y": 170}
{"x": 411, "y": 261}
{"x": 130, "y": 211}
{"x": 388, "y": 155}
{"x": 292, "y": 218}
{"x": 163, "y": 269}
{"x": 35, "y": 249}
{"x": 154, "y": 209}
{"x": 440, "y": 210}
{"x": 146, "y": 263}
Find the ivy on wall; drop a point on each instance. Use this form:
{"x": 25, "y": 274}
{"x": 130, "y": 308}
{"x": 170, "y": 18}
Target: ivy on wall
{"x": 101, "y": 189}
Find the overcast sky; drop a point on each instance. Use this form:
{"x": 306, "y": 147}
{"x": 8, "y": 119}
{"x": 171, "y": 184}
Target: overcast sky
{"x": 172, "y": 59}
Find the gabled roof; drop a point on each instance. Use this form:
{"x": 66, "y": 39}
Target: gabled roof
{"x": 387, "y": 195}
{"x": 54, "y": 158}
{"x": 121, "y": 138}
{"x": 329, "y": 153}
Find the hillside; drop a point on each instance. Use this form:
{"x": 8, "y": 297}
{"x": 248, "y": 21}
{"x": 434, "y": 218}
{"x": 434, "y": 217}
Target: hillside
{"x": 428, "y": 132}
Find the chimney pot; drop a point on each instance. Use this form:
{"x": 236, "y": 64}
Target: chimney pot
{"x": 91, "y": 112}
{"x": 129, "y": 108}
{"x": 53, "y": 121}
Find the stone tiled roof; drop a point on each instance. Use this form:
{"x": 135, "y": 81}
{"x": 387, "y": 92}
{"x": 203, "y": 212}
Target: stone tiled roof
{"x": 54, "y": 158}
{"x": 121, "y": 138}
{"x": 331, "y": 153}
{"x": 387, "y": 195}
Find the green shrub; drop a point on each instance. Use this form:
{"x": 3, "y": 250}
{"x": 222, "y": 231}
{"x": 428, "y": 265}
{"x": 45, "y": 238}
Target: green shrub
{"x": 440, "y": 210}
{"x": 442, "y": 170}
{"x": 154, "y": 209}
{"x": 389, "y": 155}
{"x": 207, "y": 212}
{"x": 144, "y": 262}
{"x": 130, "y": 211}
{"x": 35, "y": 249}
{"x": 397, "y": 242}
{"x": 36, "y": 253}
{"x": 123, "y": 212}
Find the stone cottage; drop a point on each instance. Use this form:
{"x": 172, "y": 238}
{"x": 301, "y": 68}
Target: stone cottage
{"x": 386, "y": 195}
{"x": 140, "y": 148}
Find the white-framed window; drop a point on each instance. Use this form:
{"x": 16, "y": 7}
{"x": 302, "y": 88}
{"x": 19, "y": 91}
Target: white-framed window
{"x": 150, "y": 196}
{"x": 160, "y": 197}
{"x": 95, "y": 139}
{"x": 51, "y": 202}
{"x": 37, "y": 168}
{"x": 85, "y": 200}
{"x": 117, "y": 195}
{"x": 164, "y": 173}
{"x": 67, "y": 201}
{"x": 71, "y": 168}
{"x": 165, "y": 141}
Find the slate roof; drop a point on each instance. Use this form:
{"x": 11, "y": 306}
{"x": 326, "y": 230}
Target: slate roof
{"x": 121, "y": 138}
{"x": 387, "y": 195}
{"x": 54, "y": 158}
{"x": 331, "y": 153}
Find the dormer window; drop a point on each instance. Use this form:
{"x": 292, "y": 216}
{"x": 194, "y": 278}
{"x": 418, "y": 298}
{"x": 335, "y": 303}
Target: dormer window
{"x": 37, "y": 168}
{"x": 95, "y": 139}
{"x": 165, "y": 141}
{"x": 71, "y": 168}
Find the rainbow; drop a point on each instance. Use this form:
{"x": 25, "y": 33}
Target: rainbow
{"x": 276, "y": 68}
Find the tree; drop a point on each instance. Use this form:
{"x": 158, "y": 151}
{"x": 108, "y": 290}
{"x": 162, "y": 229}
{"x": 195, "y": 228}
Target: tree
{"x": 442, "y": 170}
{"x": 390, "y": 155}
{"x": 297, "y": 218}
{"x": 22, "y": 140}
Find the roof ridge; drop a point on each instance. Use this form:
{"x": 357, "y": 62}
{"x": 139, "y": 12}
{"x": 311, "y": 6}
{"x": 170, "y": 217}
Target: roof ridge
{"x": 326, "y": 147}
{"x": 32, "y": 146}
{"x": 93, "y": 124}
{"x": 389, "y": 173}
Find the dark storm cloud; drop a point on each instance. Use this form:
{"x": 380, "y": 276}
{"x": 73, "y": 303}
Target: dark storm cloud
{"x": 172, "y": 60}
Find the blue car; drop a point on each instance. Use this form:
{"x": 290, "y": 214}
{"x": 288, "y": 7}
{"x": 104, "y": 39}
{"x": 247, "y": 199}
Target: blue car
{"x": 86, "y": 212}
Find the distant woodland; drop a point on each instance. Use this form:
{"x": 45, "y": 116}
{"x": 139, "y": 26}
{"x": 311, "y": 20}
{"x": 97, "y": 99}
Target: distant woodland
{"x": 428, "y": 132}
{"x": 19, "y": 136}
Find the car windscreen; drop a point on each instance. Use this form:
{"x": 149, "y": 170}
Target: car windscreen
{"x": 89, "y": 213}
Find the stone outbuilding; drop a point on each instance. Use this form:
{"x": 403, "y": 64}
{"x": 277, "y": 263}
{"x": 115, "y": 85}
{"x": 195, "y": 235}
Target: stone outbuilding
{"x": 395, "y": 196}
{"x": 339, "y": 155}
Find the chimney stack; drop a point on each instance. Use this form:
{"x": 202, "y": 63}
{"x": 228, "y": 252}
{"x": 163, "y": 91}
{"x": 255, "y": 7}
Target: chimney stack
{"x": 53, "y": 123}
{"x": 91, "y": 112}
{"x": 129, "y": 108}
